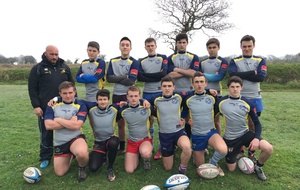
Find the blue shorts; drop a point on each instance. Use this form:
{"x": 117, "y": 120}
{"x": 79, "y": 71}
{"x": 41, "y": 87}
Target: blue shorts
{"x": 258, "y": 104}
{"x": 200, "y": 143}
{"x": 168, "y": 142}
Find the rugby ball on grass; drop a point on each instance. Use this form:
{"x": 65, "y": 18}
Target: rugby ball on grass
{"x": 177, "y": 181}
{"x": 32, "y": 175}
{"x": 150, "y": 187}
{"x": 246, "y": 165}
{"x": 208, "y": 171}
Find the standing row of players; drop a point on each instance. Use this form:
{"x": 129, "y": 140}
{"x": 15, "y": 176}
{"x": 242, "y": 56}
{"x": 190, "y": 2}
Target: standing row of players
{"x": 181, "y": 66}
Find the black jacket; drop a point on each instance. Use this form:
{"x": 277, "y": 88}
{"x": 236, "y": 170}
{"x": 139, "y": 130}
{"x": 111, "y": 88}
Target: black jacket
{"x": 44, "y": 79}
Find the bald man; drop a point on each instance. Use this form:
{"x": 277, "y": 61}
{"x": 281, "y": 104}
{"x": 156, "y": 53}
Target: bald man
{"x": 43, "y": 82}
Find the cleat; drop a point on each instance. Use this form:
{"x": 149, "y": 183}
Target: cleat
{"x": 252, "y": 157}
{"x": 82, "y": 175}
{"x": 260, "y": 173}
{"x": 111, "y": 175}
{"x": 157, "y": 156}
{"x": 206, "y": 151}
{"x": 44, "y": 164}
{"x": 147, "y": 165}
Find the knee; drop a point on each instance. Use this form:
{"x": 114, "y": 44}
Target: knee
{"x": 60, "y": 173}
{"x": 82, "y": 154}
{"x": 129, "y": 171}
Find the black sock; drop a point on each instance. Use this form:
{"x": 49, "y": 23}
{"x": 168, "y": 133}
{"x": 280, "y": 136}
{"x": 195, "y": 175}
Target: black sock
{"x": 259, "y": 164}
{"x": 122, "y": 145}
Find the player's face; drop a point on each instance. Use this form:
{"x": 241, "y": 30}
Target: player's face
{"x": 67, "y": 94}
{"x": 102, "y": 101}
{"x": 133, "y": 97}
{"x": 212, "y": 50}
{"x": 125, "y": 48}
{"x": 235, "y": 89}
{"x": 167, "y": 88}
{"x": 52, "y": 55}
{"x": 150, "y": 48}
{"x": 92, "y": 53}
{"x": 181, "y": 45}
{"x": 247, "y": 48}
{"x": 199, "y": 84}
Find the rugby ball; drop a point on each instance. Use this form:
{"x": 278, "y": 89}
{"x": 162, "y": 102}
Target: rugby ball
{"x": 177, "y": 181}
{"x": 208, "y": 171}
{"x": 246, "y": 165}
{"x": 32, "y": 175}
{"x": 150, "y": 187}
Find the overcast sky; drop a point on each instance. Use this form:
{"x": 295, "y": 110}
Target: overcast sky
{"x": 28, "y": 26}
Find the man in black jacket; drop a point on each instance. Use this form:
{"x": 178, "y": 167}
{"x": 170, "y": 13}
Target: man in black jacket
{"x": 43, "y": 82}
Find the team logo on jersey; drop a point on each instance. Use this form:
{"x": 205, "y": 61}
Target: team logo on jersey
{"x": 188, "y": 62}
{"x": 243, "y": 107}
{"x": 175, "y": 101}
{"x": 165, "y": 61}
{"x": 46, "y": 70}
{"x": 81, "y": 113}
{"x": 224, "y": 66}
{"x": 208, "y": 100}
{"x": 217, "y": 64}
{"x": 62, "y": 70}
{"x": 264, "y": 68}
{"x": 196, "y": 64}
{"x": 99, "y": 70}
{"x": 134, "y": 72}
{"x": 90, "y": 68}
{"x": 65, "y": 111}
{"x": 157, "y": 61}
{"x": 143, "y": 112}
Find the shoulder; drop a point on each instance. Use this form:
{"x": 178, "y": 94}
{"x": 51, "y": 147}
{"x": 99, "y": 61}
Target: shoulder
{"x": 100, "y": 61}
{"x": 161, "y": 55}
{"x": 115, "y": 58}
{"x": 249, "y": 102}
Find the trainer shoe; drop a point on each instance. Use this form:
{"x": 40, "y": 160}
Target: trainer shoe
{"x": 147, "y": 165}
{"x": 206, "y": 152}
{"x": 252, "y": 157}
{"x": 111, "y": 175}
{"x": 157, "y": 156}
{"x": 44, "y": 164}
{"x": 221, "y": 173}
{"x": 260, "y": 173}
{"x": 82, "y": 175}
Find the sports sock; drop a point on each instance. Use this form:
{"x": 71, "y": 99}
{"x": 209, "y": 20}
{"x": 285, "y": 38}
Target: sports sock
{"x": 122, "y": 145}
{"x": 216, "y": 157}
{"x": 259, "y": 164}
{"x": 182, "y": 168}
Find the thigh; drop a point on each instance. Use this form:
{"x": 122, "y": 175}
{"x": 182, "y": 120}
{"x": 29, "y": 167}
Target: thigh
{"x": 199, "y": 143}
{"x": 132, "y": 147}
{"x": 62, "y": 164}
{"x": 131, "y": 161}
{"x": 79, "y": 146}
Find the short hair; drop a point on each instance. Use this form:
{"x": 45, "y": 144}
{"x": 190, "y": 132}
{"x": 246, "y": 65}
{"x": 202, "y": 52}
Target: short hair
{"x": 134, "y": 89}
{"x": 65, "y": 85}
{"x": 234, "y": 79}
{"x": 181, "y": 36}
{"x": 213, "y": 41}
{"x": 248, "y": 38}
{"x": 94, "y": 44}
{"x": 125, "y": 38}
{"x": 149, "y": 40}
{"x": 104, "y": 93}
{"x": 167, "y": 78}
{"x": 198, "y": 74}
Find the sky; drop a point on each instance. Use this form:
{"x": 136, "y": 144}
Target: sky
{"x": 27, "y": 27}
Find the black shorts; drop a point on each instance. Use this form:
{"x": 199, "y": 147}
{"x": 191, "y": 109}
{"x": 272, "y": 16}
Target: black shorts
{"x": 118, "y": 98}
{"x": 235, "y": 145}
{"x": 102, "y": 146}
{"x": 168, "y": 142}
{"x": 64, "y": 149}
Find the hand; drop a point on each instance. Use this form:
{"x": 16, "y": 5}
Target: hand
{"x": 38, "y": 111}
{"x": 254, "y": 144}
{"x": 122, "y": 104}
{"x": 146, "y": 104}
{"x": 52, "y": 102}
{"x": 191, "y": 122}
{"x": 213, "y": 92}
{"x": 182, "y": 121}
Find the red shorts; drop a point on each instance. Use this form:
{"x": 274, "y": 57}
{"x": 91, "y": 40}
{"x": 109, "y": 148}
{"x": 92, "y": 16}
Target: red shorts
{"x": 133, "y": 147}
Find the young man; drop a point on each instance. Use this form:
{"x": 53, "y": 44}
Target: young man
{"x": 182, "y": 67}
{"x": 66, "y": 119}
{"x": 104, "y": 117}
{"x": 252, "y": 70}
{"x": 43, "y": 82}
{"x": 139, "y": 138}
{"x": 236, "y": 109}
{"x": 171, "y": 131}
{"x": 123, "y": 72}
{"x": 152, "y": 69}
{"x": 200, "y": 104}
{"x": 214, "y": 69}
{"x": 92, "y": 72}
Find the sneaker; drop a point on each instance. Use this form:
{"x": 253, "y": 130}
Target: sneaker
{"x": 147, "y": 165}
{"x": 111, "y": 175}
{"x": 240, "y": 155}
{"x": 252, "y": 157}
{"x": 206, "y": 151}
{"x": 82, "y": 175}
{"x": 44, "y": 164}
{"x": 180, "y": 171}
{"x": 221, "y": 173}
{"x": 121, "y": 152}
{"x": 157, "y": 156}
{"x": 260, "y": 173}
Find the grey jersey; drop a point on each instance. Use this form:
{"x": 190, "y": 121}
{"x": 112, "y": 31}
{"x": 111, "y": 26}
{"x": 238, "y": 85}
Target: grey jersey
{"x": 168, "y": 112}
{"x": 104, "y": 122}
{"x": 137, "y": 119}
{"x": 66, "y": 111}
{"x": 201, "y": 111}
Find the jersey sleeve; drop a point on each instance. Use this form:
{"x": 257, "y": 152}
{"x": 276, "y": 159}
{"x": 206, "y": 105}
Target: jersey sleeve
{"x": 195, "y": 63}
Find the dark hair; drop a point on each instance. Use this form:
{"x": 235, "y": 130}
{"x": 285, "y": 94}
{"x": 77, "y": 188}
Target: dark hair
{"x": 181, "y": 36}
{"x": 167, "y": 78}
{"x": 148, "y": 40}
{"x": 234, "y": 79}
{"x": 103, "y": 92}
{"x": 134, "y": 89}
{"x": 213, "y": 41}
{"x": 125, "y": 38}
{"x": 248, "y": 38}
{"x": 198, "y": 74}
{"x": 94, "y": 45}
{"x": 66, "y": 84}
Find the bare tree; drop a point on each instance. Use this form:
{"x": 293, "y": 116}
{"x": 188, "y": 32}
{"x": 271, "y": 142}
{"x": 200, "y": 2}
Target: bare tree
{"x": 189, "y": 16}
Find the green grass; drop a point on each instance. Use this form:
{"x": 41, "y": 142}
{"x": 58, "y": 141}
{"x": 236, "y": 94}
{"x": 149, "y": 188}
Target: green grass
{"x": 19, "y": 149}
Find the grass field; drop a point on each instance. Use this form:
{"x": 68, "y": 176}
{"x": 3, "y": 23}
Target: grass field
{"x": 19, "y": 149}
